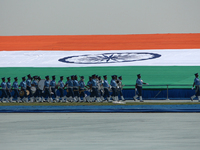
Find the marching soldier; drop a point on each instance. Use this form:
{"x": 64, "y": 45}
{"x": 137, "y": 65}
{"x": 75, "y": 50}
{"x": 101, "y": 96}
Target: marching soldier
{"x": 76, "y": 89}
{"x": 120, "y": 88}
{"x": 4, "y": 93}
{"x": 40, "y": 92}
{"x": 23, "y": 88}
{"x": 197, "y": 87}
{"x": 61, "y": 88}
{"x": 94, "y": 93}
{"x": 106, "y": 89}
{"x": 8, "y": 89}
{"x": 53, "y": 87}
{"x": 90, "y": 89}
{"x": 66, "y": 85}
{"x": 114, "y": 88}
{"x": 70, "y": 85}
{"x": 28, "y": 86}
{"x": 81, "y": 88}
{"x": 36, "y": 94}
{"x": 100, "y": 86}
{"x": 16, "y": 89}
{"x": 47, "y": 89}
{"x": 138, "y": 87}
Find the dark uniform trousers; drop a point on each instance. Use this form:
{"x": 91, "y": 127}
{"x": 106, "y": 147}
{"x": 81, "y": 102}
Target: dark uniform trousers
{"x": 82, "y": 94}
{"x": 76, "y": 92}
{"x": 8, "y": 92}
{"x": 47, "y": 92}
{"x": 120, "y": 91}
{"x": 106, "y": 93}
{"x": 54, "y": 92}
{"x": 114, "y": 91}
{"x": 16, "y": 93}
{"x": 197, "y": 91}
{"x": 61, "y": 90}
{"x": 70, "y": 92}
{"x": 139, "y": 89}
{"x": 4, "y": 93}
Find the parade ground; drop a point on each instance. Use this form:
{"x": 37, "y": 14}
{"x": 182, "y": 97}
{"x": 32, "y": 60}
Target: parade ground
{"x": 99, "y": 131}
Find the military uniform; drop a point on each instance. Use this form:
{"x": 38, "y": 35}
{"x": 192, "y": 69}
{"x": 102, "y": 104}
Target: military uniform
{"x": 120, "y": 86}
{"x": 106, "y": 89}
{"x": 114, "y": 88}
{"x": 23, "y": 88}
{"x": 28, "y": 86}
{"x": 70, "y": 89}
{"x": 82, "y": 86}
{"x": 8, "y": 89}
{"x": 76, "y": 89}
{"x": 4, "y": 93}
{"x": 61, "y": 88}
{"x": 47, "y": 89}
{"x": 16, "y": 89}
{"x": 37, "y": 92}
{"x": 197, "y": 87}
{"x": 53, "y": 88}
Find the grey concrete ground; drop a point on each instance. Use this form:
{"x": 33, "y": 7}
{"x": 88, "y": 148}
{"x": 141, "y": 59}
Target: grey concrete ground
{"x": 104, "y": 131}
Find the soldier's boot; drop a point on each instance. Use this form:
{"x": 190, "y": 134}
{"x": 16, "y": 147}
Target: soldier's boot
{"x": 31, "y": 99}
{"x": 102, "y": 98}
{"x": 141, "y": 99}
{"x": 108, "y": 100}
{"x": 84, "y": 99}
{"x": 18, "y": 100}
{"x": 192, "y": 97}
{"x": 63, "y": 100}
{"x": 113, "y": 98}
{"x": 26, "y": 100}
{"x": 10, "y": 99}
{"x": 6, "y": 100}
{"x": 79, "y": 99}
{"x": 199, "y": 98}
{"x": 122, "y": 98}
{"x": 135, "y": 97}
{"x": 116, "y": 98}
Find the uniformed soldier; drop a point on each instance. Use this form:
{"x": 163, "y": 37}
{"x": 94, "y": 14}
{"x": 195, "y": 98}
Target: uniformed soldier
{"x": 47, "y": 90}
{"x": 9, "y": 89}
{"x": 90, "y": 89}
{"x": 70, "y": 85}
{"x": 76, "y": 89}
{"x": 94, "y": 86}
{"x": 28, "y": 86}
{"x": 197, "y": 87}
{"x": 100, "y": 88}
{"x": 16, "y": 89}
{"x": 61, "y": 88}
{"x": 106, "y": 89}
{"x": 82, "y": 88}
{"x": 66, "y": 85}
{"x": 4, "y": 93}
{"x": 37, "y": 92}
{"x": 113, "y": 85}
{"x": 53, "y": 88}
{"x": 120, "y": 86}
{"x": 23, "y": 88}
{"x": 138, "y": 88}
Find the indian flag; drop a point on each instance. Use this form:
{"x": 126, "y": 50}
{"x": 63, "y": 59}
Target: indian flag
{"x": 159, "y": 58}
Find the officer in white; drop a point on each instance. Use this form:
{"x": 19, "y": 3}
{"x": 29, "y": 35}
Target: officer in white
{"x": 138, "y": 87}
{"x": 197, "y": 87}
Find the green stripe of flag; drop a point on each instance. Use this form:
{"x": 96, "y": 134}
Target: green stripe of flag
{"x": 154, "y": 75}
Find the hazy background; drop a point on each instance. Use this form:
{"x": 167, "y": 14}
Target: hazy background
{"x": 80, "y": 17}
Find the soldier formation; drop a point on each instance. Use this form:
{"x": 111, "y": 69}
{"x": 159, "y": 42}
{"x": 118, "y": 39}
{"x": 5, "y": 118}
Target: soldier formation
{"x": 36, "y": 90}
{"x": 33, "y": 89}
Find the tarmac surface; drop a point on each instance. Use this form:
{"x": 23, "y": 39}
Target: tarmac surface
{"x": 99, "y": 131}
